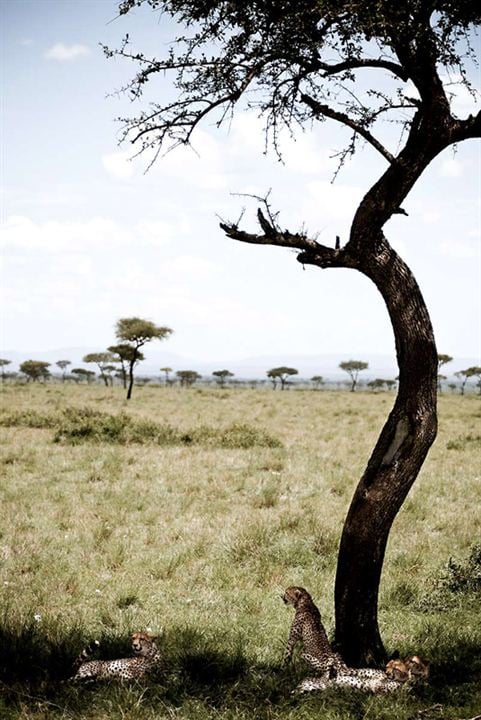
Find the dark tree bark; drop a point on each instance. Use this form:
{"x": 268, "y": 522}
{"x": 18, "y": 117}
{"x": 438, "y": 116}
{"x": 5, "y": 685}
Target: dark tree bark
{"x": 131, "y": 379}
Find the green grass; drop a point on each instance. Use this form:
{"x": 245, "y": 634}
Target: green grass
{"x": 119, "y": 531}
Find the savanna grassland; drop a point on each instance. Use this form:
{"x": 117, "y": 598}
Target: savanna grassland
{"x": 188, "y": 512}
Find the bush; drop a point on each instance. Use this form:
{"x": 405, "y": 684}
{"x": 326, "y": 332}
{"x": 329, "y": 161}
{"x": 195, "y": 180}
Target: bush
{"x": 464, "y": 577}
{"x": 84, "y": 425}
{"x": 27, "y": 418}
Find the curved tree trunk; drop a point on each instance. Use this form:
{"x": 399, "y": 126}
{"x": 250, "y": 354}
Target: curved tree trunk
{"x": 394, "y": 464}
{"x": 131, "y": 380}
{"x": 411, "y": 426}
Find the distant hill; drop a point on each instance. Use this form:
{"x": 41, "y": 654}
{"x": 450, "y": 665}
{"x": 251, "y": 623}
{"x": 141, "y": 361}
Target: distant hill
{"x": 327, "y": 365}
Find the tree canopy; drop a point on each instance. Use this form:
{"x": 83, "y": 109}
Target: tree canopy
{"x": 297, "y": 62}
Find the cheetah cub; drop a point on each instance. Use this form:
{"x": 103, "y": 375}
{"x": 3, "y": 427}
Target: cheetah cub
{"x": 146, "y": 657}
{"x": 308, "y": 629}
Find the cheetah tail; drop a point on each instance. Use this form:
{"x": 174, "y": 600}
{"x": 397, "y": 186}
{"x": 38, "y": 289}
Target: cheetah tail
{"x": 85, "y": 655}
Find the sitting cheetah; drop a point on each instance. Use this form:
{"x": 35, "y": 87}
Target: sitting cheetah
{"x": 307, "y": 628}
{"x": 147, "y": 655}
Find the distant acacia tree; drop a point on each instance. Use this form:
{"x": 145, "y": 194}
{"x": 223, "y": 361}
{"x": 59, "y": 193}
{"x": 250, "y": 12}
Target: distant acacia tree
{"x": 123, "y": 353}
{"x": 102, "y": 360}
{"x": 137, "y": 332}
{"x": 35, "y": 370}
{"x": 3, "y": 364}
{"x": 166, "y": 371}
{"x": 63, "y": 365}
{"x": 353, "y": 368}
{"x": 221, "y": 376}
{"x": 187, "y": 377}
{"x": 390, "y": 384}
{"x": 442, "y": 360}
{"x": 317, "y": 381}
{"x": 83, "y": 374}
{"x": 281, "y": 373}
{"x": 466, "y": 374}
{"x": 355, "y": 63}
{"x": 376, "y": 384}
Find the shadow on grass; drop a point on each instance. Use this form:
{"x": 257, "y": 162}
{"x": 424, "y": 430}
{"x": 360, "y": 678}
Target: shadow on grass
{"x": 36, "y": 662}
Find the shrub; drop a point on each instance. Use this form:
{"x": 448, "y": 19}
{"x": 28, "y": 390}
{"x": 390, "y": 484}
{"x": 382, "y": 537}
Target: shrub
{"x": 27, "y": 418}
{"x": 464, "y": 577}
{"x": 86, "y": 425}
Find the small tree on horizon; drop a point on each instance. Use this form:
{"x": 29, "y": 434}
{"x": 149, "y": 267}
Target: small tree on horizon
{"x": 35, "y": 370}
{"x": 102, "y": 360}
{"x": 317, "y": 380}
{"x": 63, "y": 365}
{"x": 80, "y": 373}
{"x": 187, "y": 377}
{"x": 166, "y": 371}
{"x": 466, "y": 374}
{"x": 281, "y": 373}
{"x": 221, "y": 376}
{"x": 137, "y": 332}
{"x": 376, "y": 384}
{"x": 3, "y": 364}
{"x": 442, "y": 360}
{"x": 353, "y": 368}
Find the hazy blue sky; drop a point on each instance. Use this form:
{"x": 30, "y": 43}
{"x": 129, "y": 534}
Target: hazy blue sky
{"x": 88, "y": 237}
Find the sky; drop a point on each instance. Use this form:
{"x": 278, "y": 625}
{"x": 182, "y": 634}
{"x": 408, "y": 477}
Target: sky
{"x": 88, "y": 236}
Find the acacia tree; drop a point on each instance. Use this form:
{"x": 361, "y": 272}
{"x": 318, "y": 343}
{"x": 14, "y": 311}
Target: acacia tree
{"x": 221, "y": 376}
{"x": 135, "y": 333}
{"x": 353, "y": 368}
{"x": 103, "y": 360}
{"x": 188, "y": 377}
{"x": 318, "y": 380}
{"x": 63, "y": 365}
{"x": 296, "y": 63}
{"x": 281, "y": 373}
{"x": 3, "y": 364}
{"x": 35, "y": 369}
{"x": 464, "y": 376}
{"x": 79, "y": 373}
{"x": 166, "y": 371}
{"x": 442, "y": 360}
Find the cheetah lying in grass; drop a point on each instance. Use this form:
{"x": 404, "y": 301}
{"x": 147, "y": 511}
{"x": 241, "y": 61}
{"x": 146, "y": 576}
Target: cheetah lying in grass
{"x": 332, "y": 671}
{"x": 146, "y": 657}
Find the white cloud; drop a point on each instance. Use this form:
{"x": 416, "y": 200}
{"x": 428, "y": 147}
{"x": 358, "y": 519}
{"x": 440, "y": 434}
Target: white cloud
{"x": 62, "y": 52}
{"x": 118, "y": 165}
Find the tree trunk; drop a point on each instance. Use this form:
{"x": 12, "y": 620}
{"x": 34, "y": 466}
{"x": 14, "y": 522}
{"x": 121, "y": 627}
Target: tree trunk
{"x": 394, "y": 464}
{"x": 131, "y": 381}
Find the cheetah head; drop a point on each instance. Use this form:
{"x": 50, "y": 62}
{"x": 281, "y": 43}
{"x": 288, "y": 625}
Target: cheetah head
{"x": 397, "y": 670}
{"x": 142, "y": 643}
{"x": 295, "y": 596}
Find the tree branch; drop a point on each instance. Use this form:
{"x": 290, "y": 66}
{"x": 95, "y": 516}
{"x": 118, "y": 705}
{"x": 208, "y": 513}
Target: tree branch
{"x": 321, "y": 109}
{"x": 355, "y": 64}
{"x": 313, "y": 253}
